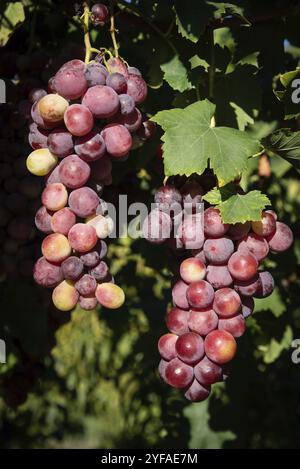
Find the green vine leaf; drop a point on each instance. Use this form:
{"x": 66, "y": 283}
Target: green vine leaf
{"x": 175, "y": 74}
{"x": 237, "y": 208}
{"x": 10, "y": 19}
{"x": 190, "y": 143}
{"x": 286, "y": 144}
{"x": 290, "y": 95}
{"x": 191, "y": 22}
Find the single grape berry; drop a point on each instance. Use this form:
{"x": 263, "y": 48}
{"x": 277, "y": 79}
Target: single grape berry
{"x": 99, "y": 14}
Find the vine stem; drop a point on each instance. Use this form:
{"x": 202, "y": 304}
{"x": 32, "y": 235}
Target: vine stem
{"x": 113, "y": 29}
{"x": 87, "y": 40}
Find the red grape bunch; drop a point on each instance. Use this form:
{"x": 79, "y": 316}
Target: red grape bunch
{"x": 88, "y": 118}
{"x": 219, "y": 274}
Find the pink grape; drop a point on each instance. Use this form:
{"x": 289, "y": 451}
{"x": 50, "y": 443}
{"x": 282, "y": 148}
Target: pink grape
{"x": 91, "y": 259}
{"x": 60, "y": 142}
{"x": 86, "y": 285}
{"x": 99, "y": 14}
{"x": 203, "y": 321}
{"x": 88, "y": 304}
{"x": 53, "y": 177}
{"x": 55, "y": 196}
{"x": 134, "y": 71}
{"x": 179, "y": 295}
{"x": 109, "y": 295}
{"x": 90, "y": 147}
{"x": 117, "y": 82}
{"x": 78, "y": 120}
{"x": 70, "y": 83}
{"x": 132, "y": 121}
{"x": 82, "y": 237}
{"x": 247, "y": 306}
{"x": 247, "y": 288}
{"x": 83, "y": 202}
{"x": 197, "y": 392}
{"x": 192, "y": 270}
{"x": 102, "y": 101}
{"x": 238, "y": 230}
{"x": 213, "y": 225}
{"x": 257, "y": 245}
{"x": 282, "y": 239}
{"x": 199, "y": 254}
{"x": 116, "y": 65}
{"x": 137, "y": 88}
{"x": 200, "y": 294}
{"x": 242, "y": 265}
{"x": 95, "y": 74}
{"x": 38, "y": 119}
{"x": 117, "y": 139}
{"x": 236, "y": 326}
{"x": 189, "y": 348}
{"x": 218, "y": 276}
{"x": 73, "y": 64}
{"x": 162, "y": 369}
{"x": 167, "y": 346}
{"x": 190, "y": 231}
{"x": 74, "y": 172}
{"x": 218, "y": 251}
{"x": 220, "y": 346}
{"x": 266, "y": 226}
{"x": 46, "y": 274}
{"x": 272, "y": 213}
{"x": 72, "y": 268}
{"x": 62, "y": 221}
{"x": 43, "y": 220}
{"x": 266, "y": 285}
{"x": 37, "y": 137}
{"x": 227, "y": 302}
{"x": 127, "y": 104}
{"x": 178, "y": 374}
{"x": 177, "y": 321}
{"x": 167, "y": 195}
{"x": 100, "y": 272}
{"x": 157, "y": 227}
{"x": 208, "y": 372}
{"x": 56, "y": 248}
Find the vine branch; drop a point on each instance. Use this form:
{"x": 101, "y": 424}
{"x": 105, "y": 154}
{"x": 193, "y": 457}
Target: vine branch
{"x": 113, "y": 29}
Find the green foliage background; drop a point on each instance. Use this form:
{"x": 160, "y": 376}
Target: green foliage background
{"x": 89, "y": 379}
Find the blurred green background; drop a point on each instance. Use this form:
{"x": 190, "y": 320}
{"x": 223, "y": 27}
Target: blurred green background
{"x": 89, "y": 379}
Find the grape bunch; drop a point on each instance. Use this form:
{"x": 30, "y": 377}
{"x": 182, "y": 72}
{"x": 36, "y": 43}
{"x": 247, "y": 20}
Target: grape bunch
{"x": 88, "y": 118}
{"x": 218, "y": 275}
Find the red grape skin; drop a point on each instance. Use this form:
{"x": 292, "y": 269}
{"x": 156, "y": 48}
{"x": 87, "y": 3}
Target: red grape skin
{"x": 208, "y": 372}
{"x": 242, "y": 265}
{"x": 167, "y": 346}
{"x": 83, "y": 202}
{"x": 137, "y": 88}
{"x": 46, "y": 274}
{"x": 117, "y": 139}
{"x": 60, "y": 142}
{"x": 72, "y": 268}
{"x": 227, "y": 302}
{"x": 265, "y": 227}
{"x": 238, "y": 230}
{"x": 220, "y": 346}
{"x": 177, "y": 321}
{"x": 102, "y": 101}
{"x": 167, "y": 195}
{"x": 100, "y": 272}
{"x": 62, "y": 221}
{"x": 70, "y": 83}
{"x": 203, "y": 321}
{"x": 78, "y": 120}
{"x": 73, "y": 64}
{"x": 53, "y": 177}
{"x": 90, "y": 147}
{"x": 54, "y": 196}
{"x": 162, "y": 369}
{"x": 247, "y": 306}
{"x": 179, "y": 295}
{"x": 192, "y": 270}
{"x": 86, "y": 285}
{"x": 43, "y": 220}
{"x": 82, "y": 237}
{"x": 282, "y": 239}
{"x": 196, "y": 392}
{"x": 116, "y": 65}
{"x": 37, "y": 137}
{"x": 157, "y": 227}
{"x": 89, "y": 303}
{"x": 236, "y": 325}
{"x": 266, "y": 285}
{"x": 257, "y": 245}
{"x": 117, "y": 82}
{"x": 218, "y": 251}
{"x": 199, "y": 254}
{"x": 95, "y": 74}
{"x": 213, "y": 225}
{"x": 132, "y": 121}
{"x": 99, "y": 14}
{"x": 218, "y": 276}
{"x": 189, "y": 348}
{"x": 56, "y": 248}
{"x": 190, "y": 231}
{"x": 200, "y": 294}
{"x": 178, "y": 374}
{"x": 74, "y": 172}
{"x": 127, "y": 104}
{"x": 247, "y": 288}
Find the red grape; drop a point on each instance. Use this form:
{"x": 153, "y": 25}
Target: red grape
{"x": 78, "y": 120}
{"x": 117, "y": 139}
{"x": 203, "y": 321}
{"x": 218, "y": 251}
{"x": 242, "y": 265}
{"x": 72, "y": 268}
{"x": 208, "y": 372}
{"x": 46, "y": 274}
{"x": 167, "y": 346}
{"x": 227, "y": 302}
{"x": 200, "y": 294}
{"x": 179, "y": 295}
{"x": 236, "y": 325}
{"x": 196, "y": 392}
{"x": 189, "y": 347}
{"x": 282, "y": 239}
{"x": 82, "y": 237}
{"x": 137, "y": 88}
{"x": 218, "y": 276}
{"x": 90, "y": 147}
{"x": 60, "y": 142}
{"x": 213, "y": 225}
{"x": 220, "y": 346}
{"x": 192, "y": 270}
{"x": 255, "y": 244}
{"x": 177, "y": 321}
{"x": 178, "y": 374}
{"x": 70, "y": 83}
{"x": 62, "y": 221}
{"x": 74, "y": 172}
{"x": 102, "y": 101}
{"x": 266, "y": 226}
{"x": 83, "y": 202}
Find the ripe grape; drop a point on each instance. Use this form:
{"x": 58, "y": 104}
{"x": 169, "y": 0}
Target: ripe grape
{"x": 99, "y": 14}
{"x": 218, "y": 251}
{"x": 177, "y": 321}
{"x": 72, "y": 268}
{"x": 70, "y": 83}
{"x": 117, "y": 139}
{"x": 83, "y": 202}
{"x": 90, "y": 147}
{"x": 127, "y": 104}
{"x": 189, "y": 347}
{"x": 62, "y": 221}
{"x": 208, "y": 372}
{"x": 162, "y": 369}
{"x": 218, "y": 276}
{"x": 102, "y": 101}
{"x": 247, "y": 287}
{"x": 65, "y": 296}
{"x": 132, "y": 122}
{"x": 167, "y": 346}
{"x": 257, "y": 245}
{"x": 282, "y": 239}
{"x": 53, "y": 176}
{"x": 82, "y": 237}
{"x": 117, "y": 82}
{"x": 86, "y": 285}
{"x": 78, "y": 120}
{"x": 103, "y": 225}
{"x": 157, "y": 227}
{"x": 190, "y": 231}
{"x": 266, "y": 226}
{"x": 196, "y": 392}
{"x": 56, "y": 248}
{"x": 178, "y": 374}
{"x": 200, "y": 294}
{"x": 38, "y": 119}
{"x": 116, "y": 65}
{"x": 88, "y": 303}
{"x": 41, "y": 162}
{"x": 55, "y": 196}
{"x": 74, "y": 172}
{"x": 43, "y": 220}
{"x": 266, "y": 285}
{"x": 220, "y": 346}
{"x": 46, "y": 274}
{"x": 167, "y": 195}
{"x": 203, "y": 321}
{"x": 236, "y": 325}
{"x": 60, "y": 142}
{"x": 242, "y": 265}
{"x": 95, "y": 74}
{"x": 100, "y": 272}
{"x": 110, "y": 296}
{"x": 227, "y": 302}
{"x": 192, "y": 270}
{"x": 134, "y": 71}
{"x": 179, "y": 292}
{"x": 137, "y": 88}
{"x": 213, "y": 225}
{"x": 247, "y": 306}
{"x": 52, "y": 108}
{"x": 37, "y": 137}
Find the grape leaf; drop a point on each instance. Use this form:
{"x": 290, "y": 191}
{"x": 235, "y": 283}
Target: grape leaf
{"x": 274, "y": 303}
{"x": 237, "y": 208}
{"x": 290, "y": 95}
{"x": 274, "y": 349}
{"x": 10, "y": 19}
{"x": 286, "y": 144}
{"x": 191, "y": 22}
{"x": 175, "y": 74}
{"x": 190, "y": 143}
